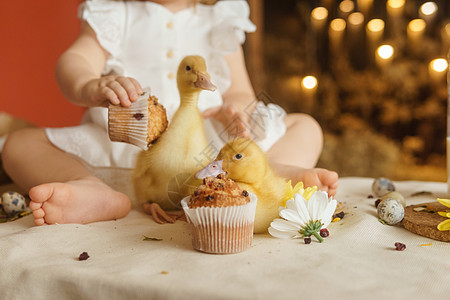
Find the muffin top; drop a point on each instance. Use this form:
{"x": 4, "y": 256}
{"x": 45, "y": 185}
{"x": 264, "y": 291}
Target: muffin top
{"x": 219, "y": 191}
{"x": 157, "y": 119}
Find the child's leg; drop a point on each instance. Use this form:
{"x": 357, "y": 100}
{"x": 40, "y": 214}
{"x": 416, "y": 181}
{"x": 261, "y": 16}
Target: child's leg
{"x": 297, "y": 152}
{"x": 61, "y": 188}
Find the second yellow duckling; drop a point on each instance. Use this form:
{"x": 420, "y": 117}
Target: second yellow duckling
{"x": 247, "y": 164}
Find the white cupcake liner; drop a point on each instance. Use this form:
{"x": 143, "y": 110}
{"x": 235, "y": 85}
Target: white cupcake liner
{"x": 130, "y": 124}
{"x": 221, "y": 230}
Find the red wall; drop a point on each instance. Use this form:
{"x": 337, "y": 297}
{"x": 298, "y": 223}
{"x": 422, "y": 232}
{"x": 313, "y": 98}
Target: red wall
{"x": 33, "y": 34}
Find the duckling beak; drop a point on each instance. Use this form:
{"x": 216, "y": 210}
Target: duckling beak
{"x": 213, "y": 169}
{"x": 203, "y": 82}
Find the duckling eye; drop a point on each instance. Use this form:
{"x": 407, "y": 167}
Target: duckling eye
{"x": 238, "y": 156}
{"x": 188, "y": 68}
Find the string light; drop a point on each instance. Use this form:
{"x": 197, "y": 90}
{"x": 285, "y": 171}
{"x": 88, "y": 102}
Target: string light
{"x": 395, "y": 3}
{"x": 385, "y": 51}
{"x": 319, "y": 13}
{"x": 346, "y": 7}
{"x": 356, "y": 18}
{"x": 417, "y": 25}
{"x": 428, "y": 8}
{"x": 338, "y": 25}
{"x": 439, "y": 65}
{"x": 375, "y": 25}
{"x": 309, "y": 82}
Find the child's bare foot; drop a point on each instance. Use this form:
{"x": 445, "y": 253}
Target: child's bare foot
{"x": 324, "y": 179}
{"x": 80, "y": 201}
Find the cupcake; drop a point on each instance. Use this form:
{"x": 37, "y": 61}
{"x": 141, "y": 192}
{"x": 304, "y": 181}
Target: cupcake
{"x": 139, "y": 124}
{"x": 221, "y": 216}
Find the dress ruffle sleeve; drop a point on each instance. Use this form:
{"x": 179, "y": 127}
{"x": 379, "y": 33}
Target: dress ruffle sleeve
{"x": 107, "y": 19}
{"x": 231, "y": 21}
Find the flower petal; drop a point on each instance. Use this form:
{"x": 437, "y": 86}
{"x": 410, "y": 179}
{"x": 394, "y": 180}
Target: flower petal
{"x": 301, "y": 206}
{"x": 444, "y": 214}
{"x": 283, "y": 225}
{"x": 290, "y": 204}
{"x": 298, "y": 186}
{"x": 445, "y": 202}
{"x": 309, "y": 191}
{"x": 282, "y": 234}
{"x": 327, "y": 215}
{"x": 444, "y": 225}
{"x": 317, "y": 205}
{"x": 291, "y": 215}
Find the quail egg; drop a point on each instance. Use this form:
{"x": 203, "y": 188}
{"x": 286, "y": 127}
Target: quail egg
{"x": 396, "y": 196}
{"x": 390, "y": 211}
{"x": 13, "y": 203}
{"x": 382, "y": 186}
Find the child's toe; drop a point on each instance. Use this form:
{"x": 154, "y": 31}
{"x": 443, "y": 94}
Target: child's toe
{"x": 35, "y": 205}
{"x": 39, "y": 222}
{"x": 38, "y": 213}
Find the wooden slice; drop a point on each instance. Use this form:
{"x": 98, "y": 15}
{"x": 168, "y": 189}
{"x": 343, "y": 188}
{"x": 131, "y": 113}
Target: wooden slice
{"x": 425, "y": 221}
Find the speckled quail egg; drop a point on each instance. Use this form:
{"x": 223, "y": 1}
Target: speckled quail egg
{"x": 13, "y": 203}
{"x": 396, "y": 196}
{"x": 390, "y": 211}
{"x": 382, "y": 186}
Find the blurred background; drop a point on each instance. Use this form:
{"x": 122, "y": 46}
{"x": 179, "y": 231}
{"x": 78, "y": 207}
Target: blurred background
{"x": 373, "y": 73}
{"x": 33, "y": 36}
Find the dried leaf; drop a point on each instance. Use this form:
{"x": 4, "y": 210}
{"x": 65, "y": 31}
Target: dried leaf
{"x": 146, "y": 238}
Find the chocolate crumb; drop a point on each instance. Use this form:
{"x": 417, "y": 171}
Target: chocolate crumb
{"x": 377, "y": 202}
{"x": 83, "y": 256}
{"x": 209, "y": 197}
{"x": 138, "y": 116}
{"x": 324, "y": 232}
{"x": 244, "y": 193}
{"x": 400, "y": 246}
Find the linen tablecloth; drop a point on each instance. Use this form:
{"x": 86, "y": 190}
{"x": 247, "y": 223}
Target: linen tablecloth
{"x": 357, "y": 261}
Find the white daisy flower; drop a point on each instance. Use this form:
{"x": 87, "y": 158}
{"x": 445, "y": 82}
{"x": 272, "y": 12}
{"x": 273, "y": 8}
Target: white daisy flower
{"x": 303, "y": 218}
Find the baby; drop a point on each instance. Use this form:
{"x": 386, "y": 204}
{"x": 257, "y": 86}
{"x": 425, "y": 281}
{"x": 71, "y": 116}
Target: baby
{"x": 124, "y": 46}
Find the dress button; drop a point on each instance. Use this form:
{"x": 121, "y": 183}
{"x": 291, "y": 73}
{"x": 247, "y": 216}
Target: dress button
{"x": 171, "y": 75}
{"x": 169, "y": 25}
{"x": 169, "y": 54}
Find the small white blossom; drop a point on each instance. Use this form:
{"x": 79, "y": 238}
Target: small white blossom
{"x": 303, "y": 217}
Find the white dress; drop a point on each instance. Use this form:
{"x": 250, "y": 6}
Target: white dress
{"x": 146, "y": 41}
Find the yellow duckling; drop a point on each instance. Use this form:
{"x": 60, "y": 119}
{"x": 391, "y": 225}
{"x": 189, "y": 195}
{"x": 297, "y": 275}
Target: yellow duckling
{"x": 162, "y": 171}
{"x": 247, "y": 164}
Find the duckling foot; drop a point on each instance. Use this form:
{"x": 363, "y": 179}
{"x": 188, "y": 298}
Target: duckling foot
{"x": 160, "y": 216}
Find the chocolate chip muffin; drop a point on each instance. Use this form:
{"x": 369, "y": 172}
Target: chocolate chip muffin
{"x": 218, "y": 191}
{"x": 140, "y": 124}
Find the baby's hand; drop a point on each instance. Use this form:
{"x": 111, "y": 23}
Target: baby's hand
{"x": 234, "y": 121}
{"x": 117, "y": 90}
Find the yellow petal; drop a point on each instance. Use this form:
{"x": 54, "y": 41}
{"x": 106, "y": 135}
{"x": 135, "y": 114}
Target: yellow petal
{"x": 298, "y": 186}
{"x": 445, "y": 202}
{"x": 289, "y": 193}
{"x": 444, "y": 214}
{"x": 289, "y": 184}
{"x": 309, "y": 191}
{"x": 443, "y": 226}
